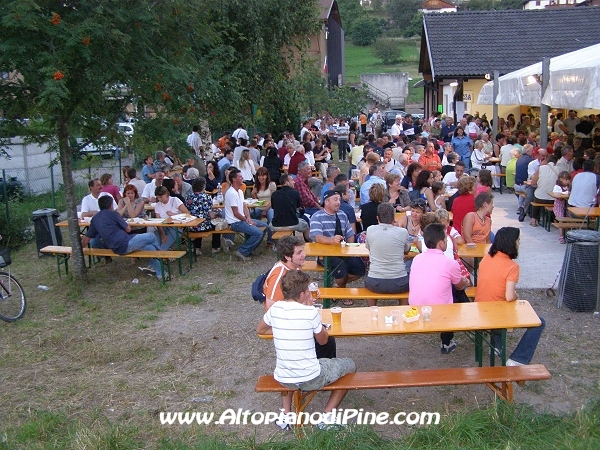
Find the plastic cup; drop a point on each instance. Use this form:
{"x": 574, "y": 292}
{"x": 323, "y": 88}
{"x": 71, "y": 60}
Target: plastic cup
{"x": 343, "y": 243}
{"x": 336, "y": 315}
{"x": 396, "y": 316}
{"x": 374, "y": 313}
{"x": 319, "y": 308}
{"x": 426, "y": 312}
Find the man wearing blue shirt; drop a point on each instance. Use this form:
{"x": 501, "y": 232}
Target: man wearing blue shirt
{"x": 376, "y": 173}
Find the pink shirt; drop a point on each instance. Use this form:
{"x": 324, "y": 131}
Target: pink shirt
{"x": 432, "y": 275}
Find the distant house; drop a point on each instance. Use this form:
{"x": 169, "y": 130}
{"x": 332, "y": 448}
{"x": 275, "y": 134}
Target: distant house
{"x": 437, "y": 6}
{"x": 541, "y": 4}
{"x": 456, "y": 56}
{"x": 326, "y": 47}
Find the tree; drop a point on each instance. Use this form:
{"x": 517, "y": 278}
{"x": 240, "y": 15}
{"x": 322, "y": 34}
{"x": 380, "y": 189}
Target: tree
{"x": 365, "y": 31}
{"x": 80, "y": 63}
{"x": 387, "y": 50}
{"x": 402, "y": 11}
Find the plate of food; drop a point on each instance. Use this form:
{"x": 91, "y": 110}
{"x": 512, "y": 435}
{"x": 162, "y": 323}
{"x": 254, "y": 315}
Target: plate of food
{"x": 352, "y": 244}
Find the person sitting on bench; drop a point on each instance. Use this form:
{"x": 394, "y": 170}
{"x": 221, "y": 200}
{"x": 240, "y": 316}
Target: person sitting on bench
{"x": 498, "y": 277}
{"x": 115, "y": 234}
{"x": 438, "y": 273}
{"x": 295, "y": 325}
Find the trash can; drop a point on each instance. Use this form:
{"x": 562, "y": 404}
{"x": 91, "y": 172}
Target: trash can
{"x": 578, "y": 283}
{"x": 46, "y": 231}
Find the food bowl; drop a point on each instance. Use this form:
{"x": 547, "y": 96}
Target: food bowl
{"x": 411, "y": 319}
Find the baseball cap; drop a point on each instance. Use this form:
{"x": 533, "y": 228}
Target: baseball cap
{"x": 328, "y": 194}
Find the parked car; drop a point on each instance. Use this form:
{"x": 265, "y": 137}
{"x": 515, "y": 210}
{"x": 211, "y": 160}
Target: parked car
{"x": 390, "y": 117}
{"x": 101, "y": 149}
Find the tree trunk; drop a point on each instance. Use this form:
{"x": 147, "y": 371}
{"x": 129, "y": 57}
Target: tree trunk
{"x": 78, "y": 268}
{"x": 206, "y": 137}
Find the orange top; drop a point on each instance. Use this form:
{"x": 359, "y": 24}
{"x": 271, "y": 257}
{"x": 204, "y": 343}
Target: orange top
{"x": 480, "y": 230}
{"x": 493, "y": 274}
{"x": 430, "y": 162}
{"x": 363, "y": 119}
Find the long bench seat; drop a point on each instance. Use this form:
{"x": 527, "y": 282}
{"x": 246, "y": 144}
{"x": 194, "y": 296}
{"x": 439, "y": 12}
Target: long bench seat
{"x": 63, "y": 253}
{"x": 497, "y": 378}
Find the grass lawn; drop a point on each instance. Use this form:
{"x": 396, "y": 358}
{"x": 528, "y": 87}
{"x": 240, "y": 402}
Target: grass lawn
{"x": 360, "y": 60}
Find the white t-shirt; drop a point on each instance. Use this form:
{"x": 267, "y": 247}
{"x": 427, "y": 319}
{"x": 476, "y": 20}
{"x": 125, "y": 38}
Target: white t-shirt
{"x": 240, "y": 133}
{"x": 233, "y": 197}
{"x": 450, "y": 177}
{"x": 161, "y": 209}
{"x": 90, "y": 203}
{"x": 505, "y": 155}
{"x": 584, "y": 189}
{"x": 247, "y": 168}
{"x": 194, "y": 141}
{"x": 294, "y": 326}
{"x": 396, "y": 130}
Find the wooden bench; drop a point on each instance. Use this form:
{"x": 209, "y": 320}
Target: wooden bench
{"x": 547, "y": 215}
{"x": 570, "y": 223}
{"x": 499, "y": 379}
{"x": 365, "y": 294}
{"x": 312, "y": 266}
{"x": 63, "y": 254}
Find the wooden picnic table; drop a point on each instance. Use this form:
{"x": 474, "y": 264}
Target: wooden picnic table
{"x": 590, "y": 212}
{"x": 138, "y": 222}
{"x": 474, "y": 317}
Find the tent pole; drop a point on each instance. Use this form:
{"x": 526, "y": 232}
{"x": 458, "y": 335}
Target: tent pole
{"x": 544, "y": 108}
{"x": 495, "y": 106}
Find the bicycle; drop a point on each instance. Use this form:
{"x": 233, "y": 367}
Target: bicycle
{"x": 12, "y": 296}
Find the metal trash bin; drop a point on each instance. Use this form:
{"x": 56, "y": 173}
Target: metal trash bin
{"x": 578, "y": 283}
{"x": 46, "y": 231}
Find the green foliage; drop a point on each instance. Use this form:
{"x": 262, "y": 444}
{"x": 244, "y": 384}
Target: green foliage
{"x": 415, "y": 26}
{"x": 365, "y": 30}
{"x": 487, "y": 5}
{"x": 402, "y": 11}
{"x": 387, "y": 50}
{"x": 316, "y": 98}
{"x": 498, "y": 426}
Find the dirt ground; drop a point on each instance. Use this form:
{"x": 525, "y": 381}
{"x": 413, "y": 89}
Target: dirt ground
{"x": 112, "y": 349}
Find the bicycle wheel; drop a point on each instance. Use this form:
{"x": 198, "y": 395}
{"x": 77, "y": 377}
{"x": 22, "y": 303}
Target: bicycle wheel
{"x": 12, "y": 298}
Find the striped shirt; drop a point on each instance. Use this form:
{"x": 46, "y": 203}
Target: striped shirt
{"x": 294, "y": 326}
{"x": 323, "y": 223}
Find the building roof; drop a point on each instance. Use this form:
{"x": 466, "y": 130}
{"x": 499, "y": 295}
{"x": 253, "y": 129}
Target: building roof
{"x": 473, "y": 43}
{"x": 437, "y": 4}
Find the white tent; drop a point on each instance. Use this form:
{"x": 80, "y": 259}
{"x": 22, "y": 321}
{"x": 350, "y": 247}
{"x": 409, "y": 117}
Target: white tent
{"x": 574, "y": 83}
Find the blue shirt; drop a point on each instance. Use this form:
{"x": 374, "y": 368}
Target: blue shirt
{"x": 111, "y": 228}
{"x": 147, "y": 170}
{"x": 348, "y": 210}
{"x": 462, "y": 146}
{"x": 364, "y": 189}
{"x": 223, "y": 164}
{"x": 521, "y": 169}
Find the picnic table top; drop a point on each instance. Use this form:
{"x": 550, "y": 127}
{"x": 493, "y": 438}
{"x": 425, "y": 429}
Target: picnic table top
{"x": 444, "y": 318}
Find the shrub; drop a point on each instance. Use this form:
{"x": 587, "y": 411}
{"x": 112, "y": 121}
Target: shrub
{"x": 388, "y": 50}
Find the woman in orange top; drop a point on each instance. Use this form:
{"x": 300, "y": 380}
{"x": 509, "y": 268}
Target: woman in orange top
{"x": 497, "y": 280}
{"x": 477, "y": 226}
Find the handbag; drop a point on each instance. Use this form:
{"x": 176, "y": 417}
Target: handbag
{"x": 219, "y": 224}
{"x": 473, "y": 135}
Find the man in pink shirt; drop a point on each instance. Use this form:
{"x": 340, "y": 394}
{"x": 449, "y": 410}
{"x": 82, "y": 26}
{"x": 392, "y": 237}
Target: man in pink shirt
{"x": 432, "y": 275}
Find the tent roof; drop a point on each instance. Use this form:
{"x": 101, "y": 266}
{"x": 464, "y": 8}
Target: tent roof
{"x": 574, "y": 82}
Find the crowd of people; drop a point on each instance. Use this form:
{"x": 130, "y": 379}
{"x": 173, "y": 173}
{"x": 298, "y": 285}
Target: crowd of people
{"x": 422, "y": 169}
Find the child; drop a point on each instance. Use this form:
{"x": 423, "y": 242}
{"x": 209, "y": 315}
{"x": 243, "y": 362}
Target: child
{"x": 437, "y": 175}
{"x": 439, "y": 190}
{"x": 563, "y": 185}
{"x": 485, "y": 182}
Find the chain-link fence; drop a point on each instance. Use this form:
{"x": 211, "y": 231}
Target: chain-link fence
{"x": 31, "y": 178}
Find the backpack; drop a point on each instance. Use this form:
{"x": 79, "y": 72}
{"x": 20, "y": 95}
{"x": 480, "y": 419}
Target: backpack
{"x": 257, "y": 288}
